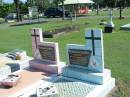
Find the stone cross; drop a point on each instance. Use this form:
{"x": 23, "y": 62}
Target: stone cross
{"x": 111, "y": 15}
{"x": 93, "y": 38}
{"x": 36, "y": 34}
{"x": 94, "y": 42}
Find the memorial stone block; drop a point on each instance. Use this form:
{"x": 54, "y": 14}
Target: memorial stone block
{"x": 86, "y": 62}
{"x": 46, "y": 54}
{"x": 49, "y": 52}
{"x": 94, "y": 43}
{"x": 36, "y": 34}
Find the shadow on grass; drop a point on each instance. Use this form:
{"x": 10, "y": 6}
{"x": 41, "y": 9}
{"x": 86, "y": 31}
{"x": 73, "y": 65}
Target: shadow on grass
{"x": 28, "y": 23}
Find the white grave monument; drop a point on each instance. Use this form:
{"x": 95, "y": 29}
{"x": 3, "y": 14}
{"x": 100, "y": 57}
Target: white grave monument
{"x": 46, "y": 54}
{"x": 110, "y": 25}
{"x": 85, "y": 75}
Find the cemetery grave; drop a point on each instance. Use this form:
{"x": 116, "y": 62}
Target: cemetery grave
{"x": 59, "y": 31}
{"x": 112, "y": 46}
{"x": 125, "y": 27}
{"x": 46, "y": 54}
{"x": 56, "y": 32}
{"x": 84, "y": 76}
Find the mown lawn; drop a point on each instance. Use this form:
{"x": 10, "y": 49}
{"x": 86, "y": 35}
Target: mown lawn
{"x": 116, "y": 45}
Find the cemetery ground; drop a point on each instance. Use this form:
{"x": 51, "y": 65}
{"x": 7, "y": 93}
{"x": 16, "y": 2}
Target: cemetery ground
{"x": 116, "y": 45}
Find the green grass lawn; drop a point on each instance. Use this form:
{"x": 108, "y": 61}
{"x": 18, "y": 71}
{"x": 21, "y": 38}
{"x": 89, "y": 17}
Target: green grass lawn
{"x": 116, "y": 45}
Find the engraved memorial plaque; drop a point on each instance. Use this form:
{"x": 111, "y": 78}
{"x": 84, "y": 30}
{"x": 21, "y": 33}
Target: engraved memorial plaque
{"x": 47, "y": 52}
{"x": 79, "y": 57}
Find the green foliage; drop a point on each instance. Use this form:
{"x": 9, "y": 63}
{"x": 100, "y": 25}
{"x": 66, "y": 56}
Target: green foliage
{"x": 23, "y": 7}
{"x": 5, "y": 9}
{"x": 1, "y": 3}
{"x": 110, "y": 3}
{"x": 42, "y": 4}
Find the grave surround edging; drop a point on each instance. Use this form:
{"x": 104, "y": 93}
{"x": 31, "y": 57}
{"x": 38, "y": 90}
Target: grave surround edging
{"x": 7, "y": 69}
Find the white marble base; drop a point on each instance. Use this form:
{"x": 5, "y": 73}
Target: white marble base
{"x": 78, "y": 88}
{"x": 46, "y": 67}
{"x": 88, "y": 89}
{"x": 103, "y": 90}
{"x": 85, "y": 75}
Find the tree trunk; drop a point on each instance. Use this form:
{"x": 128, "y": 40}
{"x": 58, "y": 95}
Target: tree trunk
{"x": 17, "y": 10}
{"x": 57, "y": 3}
{"x": 97, "y": 9}
{"x": 120, "y": 12}
{"x": 63, "y": 7}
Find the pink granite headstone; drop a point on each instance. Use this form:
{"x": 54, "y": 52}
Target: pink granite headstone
{"x": 36, "y": 34}
{"x": 46, "y": 54}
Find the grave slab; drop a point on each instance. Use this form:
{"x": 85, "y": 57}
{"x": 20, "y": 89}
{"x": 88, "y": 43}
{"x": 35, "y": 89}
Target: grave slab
{"x": 125, "y": 27}
{"x": 9, "y": 65}
{"x": 26, "y": 81}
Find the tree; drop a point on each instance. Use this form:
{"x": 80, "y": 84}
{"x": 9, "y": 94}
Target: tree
{"x": 1, "y": 2}
{"x": 121, "y": 4}
{"x": 23, "y": 7}
{"x": 5, "y": 9}
{"x": 98, "y": 2}
{"x": 128, "y": 3}
{"x": 16, "y": 2}
{"x": 110, "y": 3}
{"x": 42, "y": 4}
{"x": 63, "y": 6}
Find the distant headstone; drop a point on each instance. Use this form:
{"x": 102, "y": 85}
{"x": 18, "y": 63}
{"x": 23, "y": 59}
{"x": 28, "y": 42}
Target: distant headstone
{"x": 110, "y": 25}
{"x": 125, "y": 27}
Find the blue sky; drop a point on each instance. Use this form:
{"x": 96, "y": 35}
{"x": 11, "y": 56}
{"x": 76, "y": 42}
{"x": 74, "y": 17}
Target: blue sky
{"x": 10, "y": 1}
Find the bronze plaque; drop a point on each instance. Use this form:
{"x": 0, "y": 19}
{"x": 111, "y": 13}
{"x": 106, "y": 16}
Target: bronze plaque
{"x": 79, "y": 57}
{"x": 47, "y": 52}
